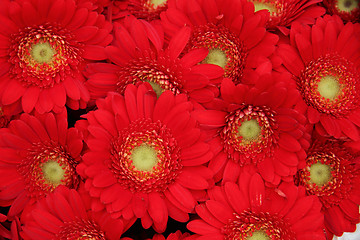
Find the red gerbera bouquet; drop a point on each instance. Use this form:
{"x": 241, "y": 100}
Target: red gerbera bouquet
{"x": 179, "y": 119}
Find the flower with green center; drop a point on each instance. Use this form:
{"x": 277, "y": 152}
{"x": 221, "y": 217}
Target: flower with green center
{"x": 148, "y": 154}
{"x": 258, "y": 235}
{"x": 329, "y": 87}
{"x": 347, "y": 5}
{"x": 332, "y": 175}
{"x": 143, "y": 9}
{"x": 348, "y": 10}
{"x": 249, "y": 130}
{"x": 43, "y": 156}
{"x": 217, "y": 57}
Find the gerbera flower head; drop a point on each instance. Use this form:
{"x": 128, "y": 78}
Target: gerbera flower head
{"x": 234, "y": 35}
{"x": 39, "y": 153}
{"x": 74, "y": 220}
{"x": 332, "y": 174}
{"x": 138, "y": 55}
{"x": 327, "y": 74}
{"x": 348, "y": 10}
{"x": 44, "y": 48}
{"x": 142, "y": 9}
{"x": 284, "y": 12}
{"x": 259, "y": 127}
{"x": 145, "y": 157}
{"x": 249, "y": 210}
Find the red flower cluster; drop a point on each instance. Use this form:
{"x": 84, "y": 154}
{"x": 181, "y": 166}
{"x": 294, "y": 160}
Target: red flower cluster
{"x": 179, "y": 119}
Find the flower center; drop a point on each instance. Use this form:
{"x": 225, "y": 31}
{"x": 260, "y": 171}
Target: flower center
{"x": 53, "y": 172}
{"x": 81, "y": 229}
{"x": 42, "y": 53}
{"x": 347, "y": 5}
{"x": 330, "y": 84}
{"x": 249, "y": 225}
{"x": 320, "y": 174}
{"x": 258, "y": 235}
{"x": 217, "y": 57}
{"x": 145, "y": 157}
{"x": 249, "y": 131}
{"x": 225, "y": 48}
{"x": 265, "y": 4}
{"x": 47, "y": 166}
{"x": 162, "y": 74}
{"x": 157, "y": 3}
{"x": 329, "y": 172}
{"x": 329, "y": 87}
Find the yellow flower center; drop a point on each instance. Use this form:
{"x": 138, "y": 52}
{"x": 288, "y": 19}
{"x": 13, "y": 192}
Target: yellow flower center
{"x": 320, "y": 174}
{"x": 216, "y": 56}
{"x": 157, "y": 88}
{"x": 144, "y": 158}
{"x": 42, "y": 52}
{"x": 249, "y": 130}
{"x": 53, "y": 172}
{"x": 347, "y": 5}
{"x": 259, "y": 5}
{"x": 157, "y": 3}
{"x": 329, "y": 87}
{"x": 258, "y": 235}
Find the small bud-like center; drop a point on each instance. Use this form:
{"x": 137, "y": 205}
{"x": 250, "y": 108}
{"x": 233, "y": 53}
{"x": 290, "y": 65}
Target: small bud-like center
{"x": 258, "y": 235}
{"x": 157, "y": 3}
{"x": 329, "y": 87}
{"x": 347, "y": 5}
{"x": 157, "y": 88}
{"x": 320, "y": 174}
{"x": 144, "y": 157}
{"x": 261, "y": 6}
{"x": 53, "y": 172}
{"x": 42, "y": 52}
{"x": 250, "y": 130}
{"x": 216, "y": 56}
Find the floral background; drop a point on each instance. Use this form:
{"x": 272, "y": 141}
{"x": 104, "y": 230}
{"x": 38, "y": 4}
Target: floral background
{"x": 179, "y": 119}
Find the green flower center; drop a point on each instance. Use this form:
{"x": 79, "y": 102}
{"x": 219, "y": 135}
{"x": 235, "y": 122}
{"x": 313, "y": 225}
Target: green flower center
{"x": 144, "y": 158}
{"x": 262, "y": 5}
{"x": 42, "y": 52}
{"x": 329, "y": 87}
{"x": 258, "y": 235}
{"x": 249, "y": 130}
{"x": 157, "y": 88}
{"x": 157, "y": 3}
{"x": 347, "y": 5}
{"x": 320, "y": 174}
{"x": 53, "y": 172}
{"x": 216, "y": 56}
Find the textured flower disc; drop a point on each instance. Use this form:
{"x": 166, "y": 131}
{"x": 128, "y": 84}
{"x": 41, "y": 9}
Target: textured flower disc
{"x": 348, "y": 10}
{"x": 225, "y": 48}
{"x": 257, "y": 226}
{"x": 273, "y": 6}
{"x": 42, "y": 52}
{"x": 145, "y": 157}
{"x": 250, "y": 130}
{"x": 146, "y": 9}
{"x": 328, "y": 173}
{"x": 330, "y": 84}
{"x": 80, "y": 229}
{"x": 46, "y": 167}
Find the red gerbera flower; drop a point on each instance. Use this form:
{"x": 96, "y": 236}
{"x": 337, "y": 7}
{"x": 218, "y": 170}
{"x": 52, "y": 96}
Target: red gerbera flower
{"x": 348, "y": 10}
{"x": 145, "y": 157}
{"x": 65, "y": 215}
{"x": 326, "y": 66}
{"x": 37, "y": 155}
{"x": 234, "y": 35}
{"x": 332, "y": 173}
{"x": 284, "y": 12}
{"x": 142, "y": 9}
{"x": 249, "y": 211}
{"x": 258, "y": 126}
{"x": 138, "y": 55}
{"x": 44, "y": 46}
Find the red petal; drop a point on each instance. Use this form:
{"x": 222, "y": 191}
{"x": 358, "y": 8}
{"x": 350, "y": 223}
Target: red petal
{"x": 178, "y": 42}
{"x": 182, "y": 195}
{"x": 289, "y": 143}
{"x": 202, "y": 228}
{"x": 256, "y": 191}
{"x": 206, "y": 215}
{"x": 222, "y": 213}
{"x": 85, "y": 33}
{"x": 210, "y": 118}
{"x": 13, "y": 91}
{"x": 94, "y": 52}
{"x": 157, "y": 208}
{"x": 236, "y": 199}
{"x": 266, "y": 169}
{"x": 104, "y": 179}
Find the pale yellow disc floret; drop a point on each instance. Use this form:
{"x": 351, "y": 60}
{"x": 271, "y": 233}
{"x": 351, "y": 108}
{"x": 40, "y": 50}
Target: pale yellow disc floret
{"x": 53, "y": 172}
{"x": 258, "y": 235}
{"x": 157, "y": 88}
{"x": 320, "y": 174}
{"x": 144, "y": 158}
{"x": 329, "y": 87}
{"x": 216, "y": 56}
{"x": 347, "y": 5}
{"x": 157, "y": 3}
{"x": 261, "y": 6}
{"x": 250, "y": 130}
{"x": 42, "y": 52}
